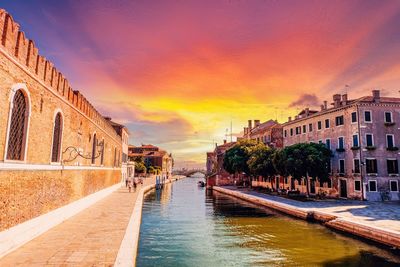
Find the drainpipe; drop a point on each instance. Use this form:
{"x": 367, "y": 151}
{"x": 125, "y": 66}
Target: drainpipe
{"x": 361, "y": 160}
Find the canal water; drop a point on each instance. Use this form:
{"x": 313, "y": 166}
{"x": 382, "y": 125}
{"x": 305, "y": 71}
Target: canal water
{"x": 184, "y": 225}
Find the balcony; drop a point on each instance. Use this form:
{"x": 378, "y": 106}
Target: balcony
{"x": 355, "y": 148}
{"x": 392, "y": 148}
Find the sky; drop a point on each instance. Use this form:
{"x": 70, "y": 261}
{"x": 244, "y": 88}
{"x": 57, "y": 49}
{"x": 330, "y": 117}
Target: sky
{"x": 178, "y": 73}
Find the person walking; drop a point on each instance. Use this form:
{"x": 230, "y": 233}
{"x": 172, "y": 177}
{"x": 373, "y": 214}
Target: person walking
{"x": 130, "y": 184}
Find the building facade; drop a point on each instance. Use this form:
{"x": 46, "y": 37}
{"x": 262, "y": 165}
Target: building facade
{"x": 363, "y": 136}
{"x": 153, "y": 156}
{"x": 55, "y": 147}
{"x": 123, "y": 132}
{"x": 217, "y": 175}
{"x": 269, "y": 133}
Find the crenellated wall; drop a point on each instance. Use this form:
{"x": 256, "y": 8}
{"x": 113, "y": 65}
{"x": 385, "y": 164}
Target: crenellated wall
{"x": 36, "y": 185}
{"x": 25, "y": 52}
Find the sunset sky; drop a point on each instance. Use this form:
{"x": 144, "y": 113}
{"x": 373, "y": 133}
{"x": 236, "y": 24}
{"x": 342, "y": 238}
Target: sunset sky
{"x": 178, "y": 72}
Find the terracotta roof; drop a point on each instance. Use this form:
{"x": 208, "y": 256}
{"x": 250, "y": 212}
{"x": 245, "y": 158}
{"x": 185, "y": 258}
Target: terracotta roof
{"x": 148, "y": 146}
{"x": 309, "y": 112}
{"x": 264, "y": 125}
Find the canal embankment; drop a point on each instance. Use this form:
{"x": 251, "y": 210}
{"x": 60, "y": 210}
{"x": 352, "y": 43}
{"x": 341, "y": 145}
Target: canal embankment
{"x": 362, "y": 222}
{"x": 127, "y": 252}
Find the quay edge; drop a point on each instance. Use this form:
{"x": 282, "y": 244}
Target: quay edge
{"x": 382, "y": 236}
{"x": 128, "y": 249}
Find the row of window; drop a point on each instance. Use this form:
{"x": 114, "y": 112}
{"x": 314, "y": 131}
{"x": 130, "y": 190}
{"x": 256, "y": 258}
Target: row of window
{"x": 339, "y": 120}
{"x": 373, "y": 186}
{"x": 369, "y": 138}
{"x": 371, "y": 166}
{"x": 265, "y": 139}
{"x": 18, "y": 134}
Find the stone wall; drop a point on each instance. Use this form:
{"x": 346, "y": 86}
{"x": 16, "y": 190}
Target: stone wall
{"x": 35, "y": 185}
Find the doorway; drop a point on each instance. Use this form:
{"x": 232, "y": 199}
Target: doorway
{"x": 343, "y": 188}
{"x": 312, "y": 186}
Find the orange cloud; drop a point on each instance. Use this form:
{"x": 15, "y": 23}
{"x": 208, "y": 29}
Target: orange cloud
{"x": 179, "y": 72}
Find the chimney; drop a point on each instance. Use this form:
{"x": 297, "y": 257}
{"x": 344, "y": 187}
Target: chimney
{"x": 336, "y": 100}
{"x": 325, "y": 104}
{"x": 224, "y": 141}
{"x": 256, "y": 123}
{"x": 376, "y": 94}
{"x": 107, "y": 118}
{"x": 244, "y": 130}
{"x": 307, "y": 112}
{"x": 322, "y": 107}
{"x": 289, "y": 118}
{"x": 344, "y": 99}
{"x": 249, "y": 125}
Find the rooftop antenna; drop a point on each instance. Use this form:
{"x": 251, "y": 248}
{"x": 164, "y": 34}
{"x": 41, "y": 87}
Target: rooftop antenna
{"x": 231, "y": 131}
{"x": 346, "y": 87}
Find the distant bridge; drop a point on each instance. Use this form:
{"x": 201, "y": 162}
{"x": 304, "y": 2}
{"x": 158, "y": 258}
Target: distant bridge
{"x": 190, "y": 172}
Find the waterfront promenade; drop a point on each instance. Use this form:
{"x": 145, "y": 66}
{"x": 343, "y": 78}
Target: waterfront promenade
{"x": 90, "y": 238}
{"x": 379, "y": 221}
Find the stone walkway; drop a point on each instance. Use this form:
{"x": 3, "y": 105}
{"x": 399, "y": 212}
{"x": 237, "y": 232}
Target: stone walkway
{"x": 385, "y": 215}
{"x": 90, "y": 238}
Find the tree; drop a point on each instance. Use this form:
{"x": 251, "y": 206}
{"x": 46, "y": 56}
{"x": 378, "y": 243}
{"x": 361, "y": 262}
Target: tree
{"x": 279, "y": 159}
{"x": 151, "y": 170}
{"x": 318, "y": 161}
{"x": 235, "y": 159}
{"x": 157, "y": 170}
{"x": 260, "y": 162}
{"x": 140, "y": 167}
{"x": 306, "y": 160}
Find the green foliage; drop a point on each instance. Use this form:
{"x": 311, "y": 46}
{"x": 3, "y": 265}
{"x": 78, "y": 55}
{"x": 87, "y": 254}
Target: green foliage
{"x": 260, "y": 161}
{"x": 157, "y": 170}
{"x": 279, "y": 159}
{"x": 140, "y": 167}
{"x": 151, "y": 170}
{"x": 138, "y": 159}
{"x": 300, "y": 160}
{"x": 235, "y": 159}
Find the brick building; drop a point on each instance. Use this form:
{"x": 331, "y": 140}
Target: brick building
{"x": 269, "y": 132}
{"x": 363, "y": 135}
{"x": 153, "y": 156}
{"x": 55, "y": 147}
{"x": 127, "y": 170}
{"x": 215, "y": 160}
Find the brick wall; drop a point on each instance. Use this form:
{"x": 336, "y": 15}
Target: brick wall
{"x": 34, "y": 186}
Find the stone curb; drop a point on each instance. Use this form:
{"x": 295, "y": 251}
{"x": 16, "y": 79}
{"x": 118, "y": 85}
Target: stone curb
{"x": 128, "y": 249}
{"x": 382, "y": 236}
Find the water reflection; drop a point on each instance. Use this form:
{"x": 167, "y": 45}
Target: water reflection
{"x": 184, "y": 226}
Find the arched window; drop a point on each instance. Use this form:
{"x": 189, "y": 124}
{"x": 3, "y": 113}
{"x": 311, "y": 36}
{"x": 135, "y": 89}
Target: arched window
{"x": 18, "y": 127}
{"x": 94, "y": 149}
{"x": 102, "y": 154}
{"x": 115, "y": 157}
{"x": 57, "y": 133}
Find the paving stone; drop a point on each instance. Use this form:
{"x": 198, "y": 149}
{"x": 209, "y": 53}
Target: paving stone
{"x": 90, "y": 238}
{"x": 384, "y": 215}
